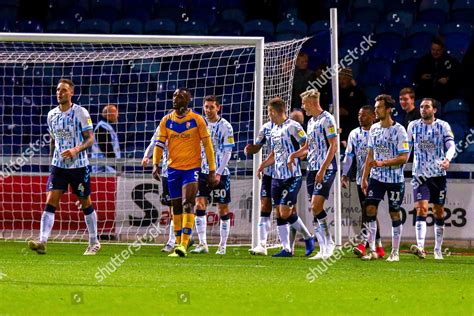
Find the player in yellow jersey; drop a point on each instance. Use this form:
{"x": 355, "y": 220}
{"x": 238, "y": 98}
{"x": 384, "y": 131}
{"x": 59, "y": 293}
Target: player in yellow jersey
{"x": 183, "y": 131}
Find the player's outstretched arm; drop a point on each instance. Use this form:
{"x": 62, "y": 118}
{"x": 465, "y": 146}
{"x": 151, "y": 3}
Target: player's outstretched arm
{"x": 87, "y": 143}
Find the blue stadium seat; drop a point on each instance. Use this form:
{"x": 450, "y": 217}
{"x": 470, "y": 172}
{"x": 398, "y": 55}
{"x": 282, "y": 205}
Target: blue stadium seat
{"x": 376, "y": 72}
{"x": 127, "y": 26}
{"x": 141, "y": 14}
{"x": 259, "y": 28}
{"x": 367, "y": 10}
{"x": 354, "y": 32}
{"x": 160, "y": 26}
{"x": 208, "y": 16}
{"x": 96, "y": 26}
{"x": 296, "y": 27}
{"x": 456, "y": 111}
{"x": 108, "y": 14}
{"x": 318, "y": 26}
{"x": 403, "y": 5}
{"x": 433, "y": 11}
{"x": 95, "y": 4}
{"x": 226, "y": 28}
{"x": 30, "y": 26}
{"x": 457, "y": 36}
{"x": 373, "y": 90}
{"x": 458, "y": 131}
{"x": 420, "y": 35}
{"x": 61, "y": 26}
{"x": 193, "y": 27}
{"x": 235, "y": 15}
{"x": 411, "y": 54}
{"x": 172, "y": 13}
{"x": 463, "y": 11}
{"x": 389, "y": 36}
{"x": 403, "y": 17}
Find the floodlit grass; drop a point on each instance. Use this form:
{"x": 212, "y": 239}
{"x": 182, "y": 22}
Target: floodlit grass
{"x": 148, "y": 282}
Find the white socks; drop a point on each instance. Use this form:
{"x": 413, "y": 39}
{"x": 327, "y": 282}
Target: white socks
{"x": 420, "y": 227}
{"x": 91, "y": 222}
{"x": 201, "y": 224}
{"x": 224, "y": 228}
{"x": 47, "y": 222}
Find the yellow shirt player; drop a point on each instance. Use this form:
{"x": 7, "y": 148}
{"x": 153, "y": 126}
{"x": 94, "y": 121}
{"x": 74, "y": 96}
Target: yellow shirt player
{"x": 183, "y": 131}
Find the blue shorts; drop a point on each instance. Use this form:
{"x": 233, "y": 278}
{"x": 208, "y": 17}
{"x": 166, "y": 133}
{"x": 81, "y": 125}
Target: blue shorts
{"x": 78, "y": 178}
{"x": 323, "y": 188}
{"x": 266, "y": 189}
{"x": 179, "y": 178}
{"x": 220, "y": 194}
{"x": 376, "y": 192}
{"x": 285, "y": 191}
{"x": 165, "y": 195}
{"x": 432, "y": 189}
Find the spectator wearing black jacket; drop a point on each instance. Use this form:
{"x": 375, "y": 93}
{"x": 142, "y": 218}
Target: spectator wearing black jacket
{"x": 437, "y": 74}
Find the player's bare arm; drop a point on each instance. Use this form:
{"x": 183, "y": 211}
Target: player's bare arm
{"x": 267, "y": 162}
{"x": 367, "y": 166}
{"x": 87, "y": 143}
{"x": 399, "y": 160}
{"x": 157, "y": 154}
{"x": 251, "y": 149}
{"x": 300, "y": 153}
{"x": 329, "y": 157}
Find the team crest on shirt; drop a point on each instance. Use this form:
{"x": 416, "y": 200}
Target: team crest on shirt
{"x": 301, "y": 133}
{"x": 188, "y": 125}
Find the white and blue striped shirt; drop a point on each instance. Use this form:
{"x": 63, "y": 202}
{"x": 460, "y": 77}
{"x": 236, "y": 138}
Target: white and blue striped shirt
{"x": 320, "y": 129}
{"x": 282, "y": 144}
{"x": 263, "y": 139}
{"x": 222, "y": 136}
{"x": 357, "y": 146}
{"x": 429, "y": 146}
{"x": 164, "y": 157}
{"x": 66, "y": 128}
{"x": 388, "y": 143}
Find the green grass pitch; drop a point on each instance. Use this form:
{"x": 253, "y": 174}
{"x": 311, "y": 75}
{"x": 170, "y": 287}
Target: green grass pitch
{"x": 64, "y": 282}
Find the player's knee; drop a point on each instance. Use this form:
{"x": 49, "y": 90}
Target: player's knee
{"x": 438, "y": 211}
{"x": 223, "y": 209}
{"x": 371, "y": 210}
{"x": 395, "y": 213}
{"x": 188, "y": 207}
{"x": 266, "y": 205}
{"x": 421, "y": 211}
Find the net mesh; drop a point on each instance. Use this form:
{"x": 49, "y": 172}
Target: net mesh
{"x": 140, "y": 80}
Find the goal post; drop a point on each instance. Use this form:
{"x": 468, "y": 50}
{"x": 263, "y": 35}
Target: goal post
{"x": 138, "y": 74}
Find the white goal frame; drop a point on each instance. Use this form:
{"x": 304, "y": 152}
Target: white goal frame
{"x": 257, "y": 42}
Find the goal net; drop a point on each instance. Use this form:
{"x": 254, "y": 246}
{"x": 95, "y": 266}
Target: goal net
{"x": 139, "y": 76}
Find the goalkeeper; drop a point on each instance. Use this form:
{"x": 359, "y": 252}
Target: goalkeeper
{"x": 182, "y": 132}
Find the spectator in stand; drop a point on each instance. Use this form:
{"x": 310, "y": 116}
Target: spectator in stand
{"x": 407, "y": 102}
{"x": 351, "y": 99}
{"x": 301, "y": 80}
{"x": 437, "y": 74}
{"x": 107, "y": 144}
{"x": 298, "y": 116}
